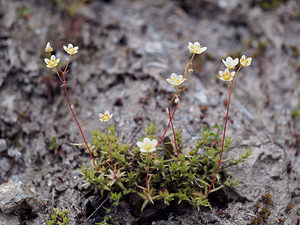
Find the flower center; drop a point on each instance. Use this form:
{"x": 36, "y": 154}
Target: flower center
{"x": 105, "y": 117}
{"x": 147, "y": 146}
{"x": 176, "y": 80}
{"x": 226, "y": 76}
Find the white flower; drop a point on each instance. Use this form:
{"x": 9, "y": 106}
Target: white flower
{"x": 175, "y": 79}
{"x": 70, "y": 49}
{"x": 52, "y": 62}
{"x": 195, "y": 48}
{"x": 48, "y": 47}
{"x": 105, "y": 117}
{"x": 230, "y": 63}
{"x": 147, "y": 145}
{"x": 245, "y": 61}
{"x": 226, "y": 75}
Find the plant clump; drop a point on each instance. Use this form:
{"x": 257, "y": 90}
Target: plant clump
{"x": 157, "y": 170}
{"x": 59, "y": 217}
{"x": 172, "y": 180}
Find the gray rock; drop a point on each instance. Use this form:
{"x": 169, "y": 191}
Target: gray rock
{"x": 4, "y": 164}
{"x": 15, "y": 196}
{"x": 14, "y": 152}
{"x": 201, "y": 97}
{"x": 9, "y": 219}
{"x": 62, "y": 187}
{"x": 3, "y": 145}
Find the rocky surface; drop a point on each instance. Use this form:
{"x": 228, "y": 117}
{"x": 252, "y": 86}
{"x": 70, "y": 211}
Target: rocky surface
{"x": 15, "y": 196}
{"x": 127, "y": 50}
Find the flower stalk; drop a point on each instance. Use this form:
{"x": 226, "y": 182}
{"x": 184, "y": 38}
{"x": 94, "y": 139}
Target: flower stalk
{"x": 64, "y": 84}
{"x": 176, "y": 97}
{"x": 230, "y": 77}
{"x": 111, "y": 160}
{"x": 53, "y": 63}
{"x": 147, "y": 176}
{"x": 147, "y": 146}
{"x": 105, "y": 118}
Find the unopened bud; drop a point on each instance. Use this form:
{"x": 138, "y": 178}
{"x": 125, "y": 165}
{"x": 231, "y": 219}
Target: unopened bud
{"x": 177, "y": 100}
{"x": 191, "y": 70}
{"x": 167, "y": 110}
{"x": 156, "y": 162}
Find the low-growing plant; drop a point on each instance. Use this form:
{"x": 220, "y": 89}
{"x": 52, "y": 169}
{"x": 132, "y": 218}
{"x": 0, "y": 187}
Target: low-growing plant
{"x": 59, "y": 217}
{"x": 157, "y": 169}
{"x": 70, "y": 6}
{"x": 262, "y": 209}
{"x": 186, "y": 179}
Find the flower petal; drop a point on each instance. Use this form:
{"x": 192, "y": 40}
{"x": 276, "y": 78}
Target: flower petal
{"x": 173, "y": 75}
{"x": 139, "y": 144}
{"x": 250, "y": 60}
{"x": 235, "y": 61}
{"x": 225, "y": 63}
{"x": 154, "y": 142}
{"x": 203, "y": 49}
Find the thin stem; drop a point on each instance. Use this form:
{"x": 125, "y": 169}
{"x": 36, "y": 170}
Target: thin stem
{"x": 71, "y": 109}
{"x": 176, "y": 149}
{"x": 90, "y": 152}
{"x": 233, "y": 82}
{"x": 148, "y": 167}
{"x": 178, "y": 96}
{"x": 164, "y": 134}
{"x": 68, "y": 61}
{"x": 175, "y": 142}
{"x": 59, "y": 75}
{"x": 230, "y": 90}
{"x": 223, "y": 141}
{"x": 108, "y": 141}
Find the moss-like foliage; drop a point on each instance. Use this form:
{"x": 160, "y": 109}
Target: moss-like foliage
{"x": 59, "y": 217}
{"x": 267, "y": 5}
{"x": 186, "y": 179}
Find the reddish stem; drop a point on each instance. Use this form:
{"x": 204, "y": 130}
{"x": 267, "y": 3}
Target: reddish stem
{"x": 170, "y": 119}
{"x": 108, "y": 141}
{"x": 70, "y": 107}
{"x": 230, "y": 90}
{"x": 178, "y": 96}
{"x": 173, "y": 134}
{"x": 223, "y": 141}
{"x": 65, "y": 86}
